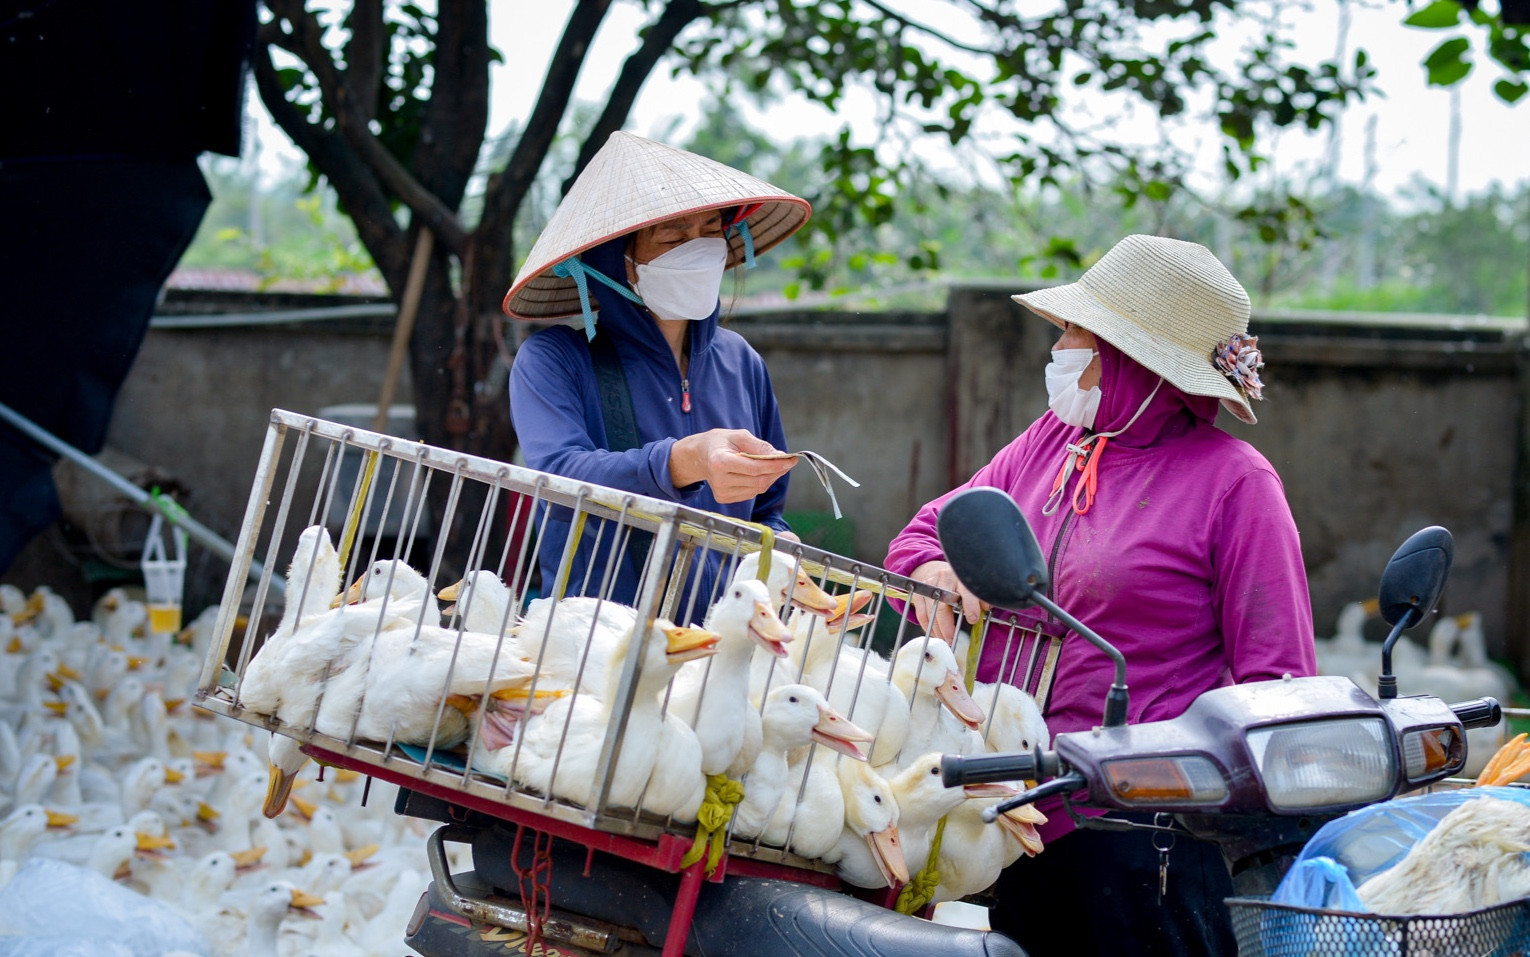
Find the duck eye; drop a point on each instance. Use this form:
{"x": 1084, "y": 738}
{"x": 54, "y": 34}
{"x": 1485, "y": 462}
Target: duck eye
{"x": 935, "y": 770}
{"x": 877, "y": 798}
{"x": 793, "y": 699}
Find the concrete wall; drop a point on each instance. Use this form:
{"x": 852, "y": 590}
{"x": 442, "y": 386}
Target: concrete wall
{"x": 1378, "y": 427}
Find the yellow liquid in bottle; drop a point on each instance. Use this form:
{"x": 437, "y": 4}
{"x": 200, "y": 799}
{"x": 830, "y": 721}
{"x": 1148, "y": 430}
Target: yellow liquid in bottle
{"x": 165, "y": 619}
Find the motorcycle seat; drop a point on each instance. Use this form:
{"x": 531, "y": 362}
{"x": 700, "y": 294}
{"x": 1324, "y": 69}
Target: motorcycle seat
{"x": 741, "y": 916}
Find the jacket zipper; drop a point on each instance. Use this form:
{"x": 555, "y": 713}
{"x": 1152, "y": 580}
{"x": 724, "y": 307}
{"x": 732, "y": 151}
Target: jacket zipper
{"x": 685, "y": 394}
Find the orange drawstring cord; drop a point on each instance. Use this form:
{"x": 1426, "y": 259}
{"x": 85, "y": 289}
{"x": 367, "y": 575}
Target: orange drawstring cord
{"x": 1085, "y": 458}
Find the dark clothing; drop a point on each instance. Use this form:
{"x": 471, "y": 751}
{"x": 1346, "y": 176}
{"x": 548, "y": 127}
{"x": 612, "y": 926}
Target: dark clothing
{"x": 1096, "y": 892}
{"x": 557, "y": 413}
{"x": 106, "y": 108}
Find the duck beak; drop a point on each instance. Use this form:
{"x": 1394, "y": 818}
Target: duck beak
{"x": 846, "y": 607}
{"x": 136, "y": 661}
{"x": 450, "y": 592}
{"x": 809, "y": 597}
{"x": 834, "y": 731}
{"x": 59, "y": 708}
{"x": 686, "y": 644}
{"x": 953, "y": 694}
{"x": 887, "y": 851}
{"x": 246, "y": 859}
{"x": 15, "y": 647}
{"x": 278, "y": 790}
{"x": 352, "y": 595}
{"x": 64, "y": 671}
{"x": 172, "y": 776}
{"x": 359, "y": 856}
{"x": 1023, "y": 831}
{"x": 60, "y": 819}
{"x": 766, "y": 628}
{"x": 149, "y": 844}
{"x": 63, "y": 760}
{"x": 206, "y": 813}
{"x": 212, "y": 760}
{"x": 305, "y": 808}
{"x": 992, "y": 789}
{"x": 303, "y": 902}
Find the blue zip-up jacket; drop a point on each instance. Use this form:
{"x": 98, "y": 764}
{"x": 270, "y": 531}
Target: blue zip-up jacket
{"x": 555, "y": 407}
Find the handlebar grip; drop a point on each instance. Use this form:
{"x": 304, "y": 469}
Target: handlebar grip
{"x": 1479, "y": 712}
{"x": 957, "y": 770}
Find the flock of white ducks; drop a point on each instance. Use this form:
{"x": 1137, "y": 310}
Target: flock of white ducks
{"x": 229, "y": 839}
{"x": 130, "y": 821}
{"x": 528, "y": 694}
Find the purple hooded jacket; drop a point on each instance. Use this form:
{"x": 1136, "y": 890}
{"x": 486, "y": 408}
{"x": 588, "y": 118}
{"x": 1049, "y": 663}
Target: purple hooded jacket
{"x": 1188, "y": 561}
{"x": 555, "y": 406}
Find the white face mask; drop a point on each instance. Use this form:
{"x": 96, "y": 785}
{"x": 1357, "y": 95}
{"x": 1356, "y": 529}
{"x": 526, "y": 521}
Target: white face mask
{"x": 683, "y": 283}
{"x": 1074, "y": 406}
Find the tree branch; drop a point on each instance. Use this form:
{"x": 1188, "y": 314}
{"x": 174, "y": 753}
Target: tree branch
{"x": 507, "y": 188}
{"x": 365, "y": 55}
{"x": 360, "y": 192}
{"x": 341, "y": 99}
{"x": 657, "y": 41}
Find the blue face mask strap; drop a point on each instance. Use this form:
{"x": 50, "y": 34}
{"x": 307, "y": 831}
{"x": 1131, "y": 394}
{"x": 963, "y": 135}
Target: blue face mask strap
{"x": 743, "y": 230}
{"x": 572, "y": 268}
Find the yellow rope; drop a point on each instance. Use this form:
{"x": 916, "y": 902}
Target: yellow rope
{"x": 975, "y": 647}
{"x": 723, "y": 794}
{"x": 921, "y": 887}
{"x": 348, "y": 535}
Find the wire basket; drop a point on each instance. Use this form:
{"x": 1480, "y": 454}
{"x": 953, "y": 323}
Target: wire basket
{"x": 1266, "y": 929}
{"x": 540, "y": 536}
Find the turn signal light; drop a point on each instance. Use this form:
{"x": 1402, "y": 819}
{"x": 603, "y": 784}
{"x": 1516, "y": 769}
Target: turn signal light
{"x": 1172, "y": 779}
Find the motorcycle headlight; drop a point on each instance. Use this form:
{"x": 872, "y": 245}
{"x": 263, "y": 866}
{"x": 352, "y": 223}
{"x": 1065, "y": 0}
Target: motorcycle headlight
{"x": 1322, "y": 764}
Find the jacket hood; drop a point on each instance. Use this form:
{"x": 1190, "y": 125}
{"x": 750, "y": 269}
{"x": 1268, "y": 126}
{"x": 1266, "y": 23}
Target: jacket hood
{"x": 1125, "y": 383}
{"x": 624, "y": 319}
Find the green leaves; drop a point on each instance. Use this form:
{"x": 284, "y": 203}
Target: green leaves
{"x": 1447, "y": 63}
{"x": 1436, "y": 16}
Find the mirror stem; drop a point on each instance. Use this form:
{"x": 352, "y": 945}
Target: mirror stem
{"x": 1115, "y": 699}
{"x": 1386, "y": 684}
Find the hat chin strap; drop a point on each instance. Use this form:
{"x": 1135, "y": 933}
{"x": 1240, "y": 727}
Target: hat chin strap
{"x": 1084, "y": 456}
{"x": 573, "y": 268}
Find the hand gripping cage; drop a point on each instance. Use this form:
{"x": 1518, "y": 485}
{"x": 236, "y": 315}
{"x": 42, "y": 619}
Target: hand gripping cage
{"x": 384, "y": 504}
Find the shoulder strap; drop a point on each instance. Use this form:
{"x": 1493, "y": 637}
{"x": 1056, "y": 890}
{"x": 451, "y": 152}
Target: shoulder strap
{"x": 615, "y": 395}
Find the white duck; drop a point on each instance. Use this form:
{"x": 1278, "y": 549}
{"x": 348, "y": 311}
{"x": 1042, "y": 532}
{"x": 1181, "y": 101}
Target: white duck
{"x": 411, "y": 682}
{"x": 942, "y": 717}
{"x": 871, "y": 823}
{"x": 973, "y": 852}
{"x": 922, "y": 801}
{"x": 794, "y": 716}
{"x": 557, "y": 751}
{"x": 713, "y": 696}
{"x": 1015, "y": 722}
{"x": 294, "y": 658}
{"x": 1347, "y": 652}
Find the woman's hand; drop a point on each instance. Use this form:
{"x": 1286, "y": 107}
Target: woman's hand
{"x": 713, "y": 457}
{"x": 940, "y": 575}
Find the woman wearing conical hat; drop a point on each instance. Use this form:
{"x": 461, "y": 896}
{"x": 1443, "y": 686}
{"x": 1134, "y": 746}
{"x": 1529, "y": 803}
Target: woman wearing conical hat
{"x": 648, "y": 392}
{"x": 1165, "y": 534}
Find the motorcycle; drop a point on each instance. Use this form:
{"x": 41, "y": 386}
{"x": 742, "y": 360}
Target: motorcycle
{"x": 1255, "y": 769}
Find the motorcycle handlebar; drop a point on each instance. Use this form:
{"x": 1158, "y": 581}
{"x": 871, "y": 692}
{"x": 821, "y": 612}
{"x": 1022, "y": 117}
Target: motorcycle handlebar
{"x": 957, "y": 770}
{"x": 1479, "y": 712}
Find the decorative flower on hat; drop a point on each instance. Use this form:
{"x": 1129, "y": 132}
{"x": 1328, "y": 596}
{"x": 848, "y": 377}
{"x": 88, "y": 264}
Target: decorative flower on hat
{"x": 1238, "y": 358}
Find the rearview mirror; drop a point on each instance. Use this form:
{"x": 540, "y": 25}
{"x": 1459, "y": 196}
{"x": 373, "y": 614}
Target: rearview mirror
{"x": 1415, "y": 576}
{"x": 992, "y": 548}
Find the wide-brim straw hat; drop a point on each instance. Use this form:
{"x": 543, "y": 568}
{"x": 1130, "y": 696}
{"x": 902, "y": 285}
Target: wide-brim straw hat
{"x": 634, "y": 182}
{"x": 1167, "y": 304}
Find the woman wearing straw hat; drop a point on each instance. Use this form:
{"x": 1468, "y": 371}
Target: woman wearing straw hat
{"x": 1166, "y": 535}
{"x": 650, "y": 394}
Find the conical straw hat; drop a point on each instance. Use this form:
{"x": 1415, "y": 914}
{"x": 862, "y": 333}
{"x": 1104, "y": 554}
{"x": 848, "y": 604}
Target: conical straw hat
{"x": 1166, "y": 303}
{"x": 634, "y": 182}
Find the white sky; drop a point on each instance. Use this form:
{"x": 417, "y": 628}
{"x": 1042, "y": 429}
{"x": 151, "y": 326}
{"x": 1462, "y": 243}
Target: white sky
{"x": 1411, "y": 120}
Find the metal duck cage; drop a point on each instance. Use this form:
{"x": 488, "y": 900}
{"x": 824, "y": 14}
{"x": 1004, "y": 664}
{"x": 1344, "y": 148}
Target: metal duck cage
{"x": 383, "y": 500}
